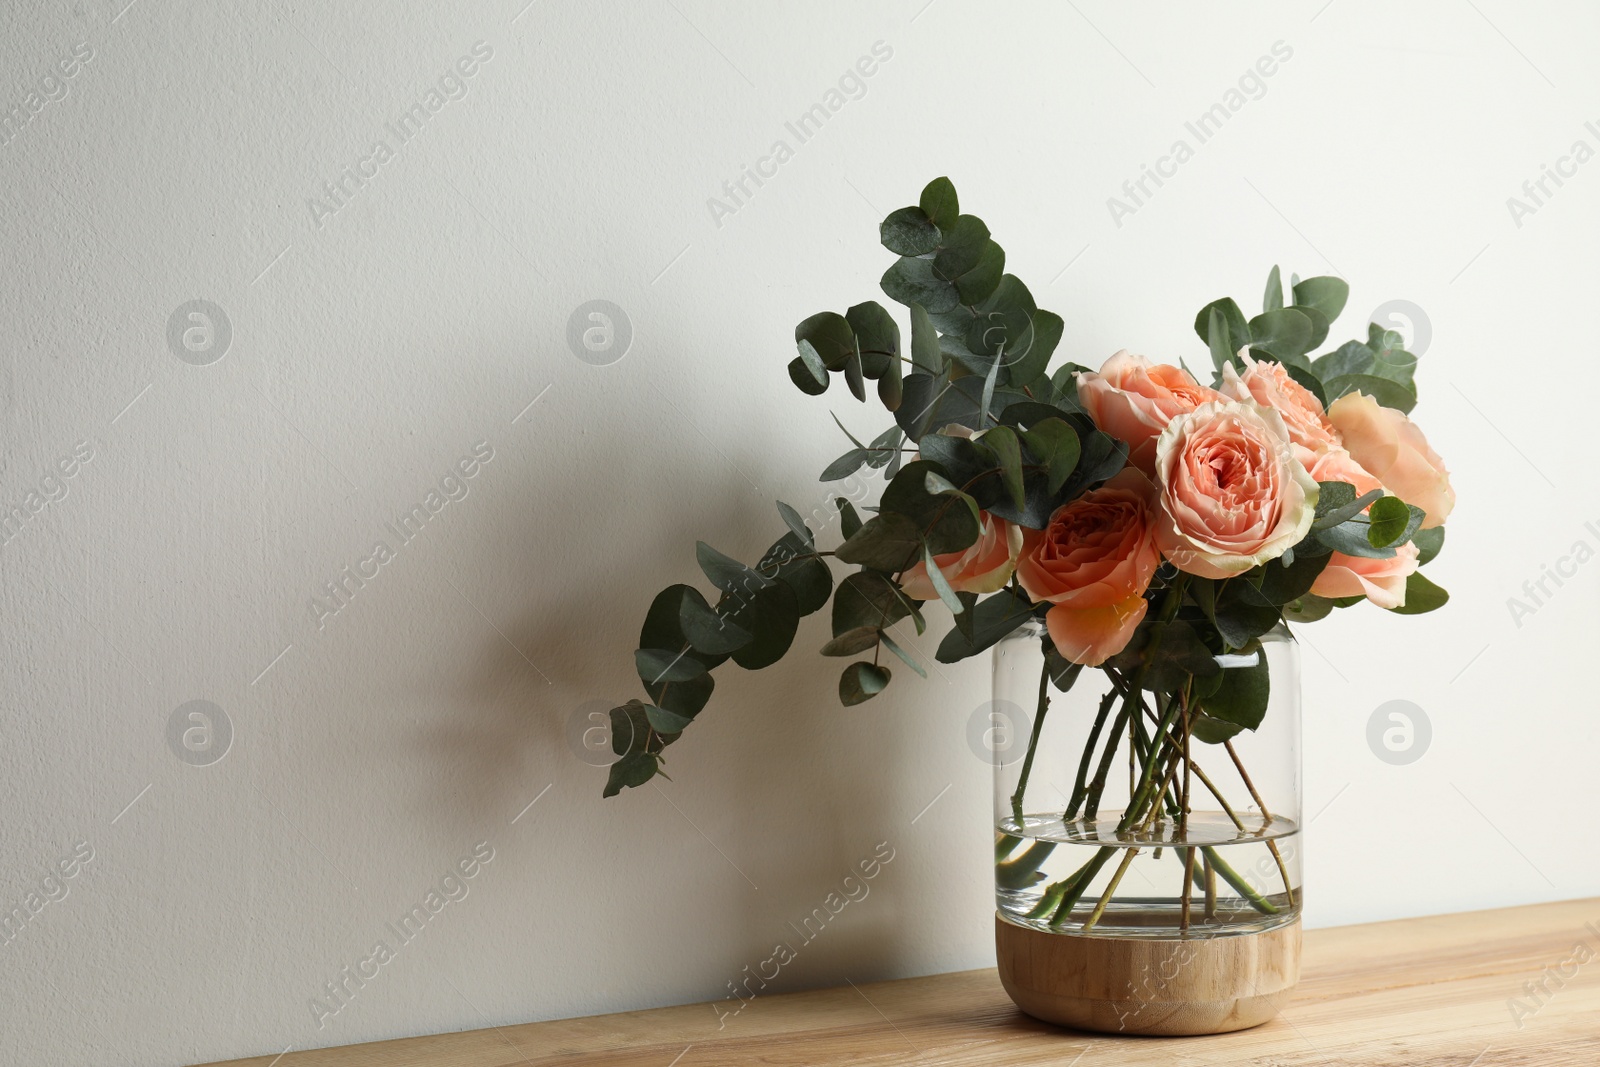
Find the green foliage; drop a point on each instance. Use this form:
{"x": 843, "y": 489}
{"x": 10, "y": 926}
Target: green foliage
{"x": 978, "y": 356}
{"x": 860, "y": 682}
{"x": 1284, "y": 333}
{"x": 990, "y": 620}
{"x": 1164, "y": 655}
{"x": 1428, "y": 543}
{"x": 1245, "y": 686}
{"x": 1421, "y": 596}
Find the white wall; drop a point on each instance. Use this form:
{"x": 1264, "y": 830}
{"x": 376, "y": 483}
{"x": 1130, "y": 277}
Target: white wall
{"x": 373, "y": 347}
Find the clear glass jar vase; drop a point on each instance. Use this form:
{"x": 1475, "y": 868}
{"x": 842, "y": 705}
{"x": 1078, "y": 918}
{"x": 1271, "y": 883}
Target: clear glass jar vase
{"x": 1125, "y": 812}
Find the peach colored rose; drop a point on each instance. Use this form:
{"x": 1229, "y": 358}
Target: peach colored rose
{"x": 1268, "y": 383}
{"x": 985, "y": 567}
{"x": 1233, "y": 495}
{"x": 1339, "y": 466}
{"x": 1093, "y": 562}
{"x": 1133, "y": 399}
{"x": 1391, "y": 446}
{"x": 1382, "y": 581}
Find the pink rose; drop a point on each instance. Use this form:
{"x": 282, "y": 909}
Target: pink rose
{"x": 1093, "y": 562}
{"x": 985, "y": 567}
{"x": 1268, "y": 383}
{"x": 1382, "y": 581}
{"x": 1389, "y": 445}
{"x": 1233, "y": 495}
{"x": 1133, "y": 399}
{"x": 1339, "y": 466}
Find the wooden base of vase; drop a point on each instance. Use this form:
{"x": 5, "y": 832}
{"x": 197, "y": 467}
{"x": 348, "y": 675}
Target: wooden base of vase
{"x": 1114, "y": 985}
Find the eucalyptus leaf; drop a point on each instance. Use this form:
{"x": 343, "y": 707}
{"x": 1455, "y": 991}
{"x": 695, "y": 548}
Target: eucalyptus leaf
{"x": 813, "y": 362}
{"x": 888, "y": 542}
{"x": 1428, "y": 543}
{"x": 1351, "y": 538}
{"x": 706, "y": 630}
{"x": 1007, "y": 449}
{"x": 1387, "y": 520}
{"x": 771, "y": 615}
{"x": 1319, "y": 326}
{"x": 855, "y": 376}
{"x": 909, "y": 232}
{"x": 801, "y": 375}
{"x": 662, "y": 721}
{"x": 913, "y": 281}
{"x": 1278, "y": 584}
{"x": 852, "y": 642}
{"x": 845, "y": 465}
{"x": 861, "y": 682}
{"x": 925, "y": 355}
{"x": 1221, "y": 345}
{"x": 829, "y": 336}
{"x": 991, "y": 619}
{"x": 905, "y": 657}
{"x": 1352, "y": 357}
{"x": 664, "y": 665}
{"x": 795, "y": 563}
{"x": 849, "y": 521}
{"x": 1056, "y": 445}
{"x": 1325, "y": 293}
{"x": 1245, "y": 690}
{"x": 727, "y": 573}
{"x": 1211, "y": 731}
{"x": 684, "y": 698}
{"x": 943, "y": 522}
{"x": 941, "y": 585}
{"x": 877, "y": 334}
{"x": 1240, "y": 620}
{"x": 1421, "y": 596}
{"x": 1308, "y": 608}
{"x": 791, "y": 518}
{"x": 1168, "y": 654}
{"x": 1337, "y": 502}
{"x": 1390, "y": 394}
{"x": 1032, "y": 356}
{"x": 1232, "y": 319}
{"x": 939, "y": 202}
{"x": 1284, "y": 334}
{"x": 960, "y": 248}
{"x": 631, "y": 771}
{"x": 867, "y": 599}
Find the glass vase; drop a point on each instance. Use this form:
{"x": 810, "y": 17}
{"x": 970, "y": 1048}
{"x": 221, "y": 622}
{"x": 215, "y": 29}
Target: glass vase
{"x": 1147, "y": 856}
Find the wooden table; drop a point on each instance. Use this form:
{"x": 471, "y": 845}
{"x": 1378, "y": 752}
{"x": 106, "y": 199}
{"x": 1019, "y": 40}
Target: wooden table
{"x": 1508, "y": 988}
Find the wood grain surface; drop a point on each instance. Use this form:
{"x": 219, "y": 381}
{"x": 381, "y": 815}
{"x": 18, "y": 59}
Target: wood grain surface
{"x": 1518, "y": 987}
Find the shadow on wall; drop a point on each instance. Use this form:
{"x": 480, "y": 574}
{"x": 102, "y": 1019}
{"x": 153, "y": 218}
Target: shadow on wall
{"x": 794, "y": 790}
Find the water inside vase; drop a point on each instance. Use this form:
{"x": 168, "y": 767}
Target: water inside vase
{"x": 1083, "y": 876}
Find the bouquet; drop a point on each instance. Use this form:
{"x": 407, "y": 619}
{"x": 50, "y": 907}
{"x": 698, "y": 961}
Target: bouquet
{"x": 1151, "y": 523}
